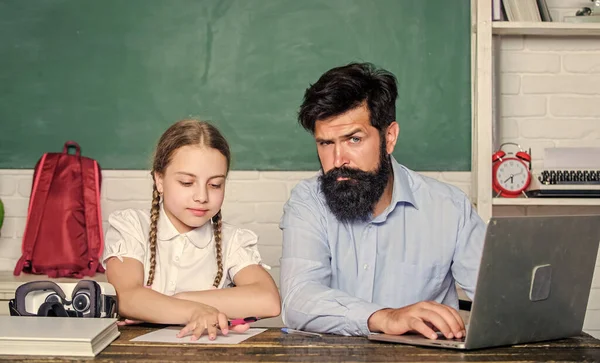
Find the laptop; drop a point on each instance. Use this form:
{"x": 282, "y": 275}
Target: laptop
{"x": 533, "y": 285}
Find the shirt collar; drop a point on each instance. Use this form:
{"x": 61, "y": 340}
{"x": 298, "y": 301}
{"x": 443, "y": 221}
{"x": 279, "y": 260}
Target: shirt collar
{"x": 402, "y": 185}
{"x": 401, "y": 192}
{"x": 200, "y": 237}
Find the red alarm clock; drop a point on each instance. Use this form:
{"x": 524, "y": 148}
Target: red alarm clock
{"x": 511, "y": 172}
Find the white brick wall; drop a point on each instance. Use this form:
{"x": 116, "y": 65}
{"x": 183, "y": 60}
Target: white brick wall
{"x": 550, "y": 96}
{"x": 132, "y": 189}
{"x": 253, "y": 200}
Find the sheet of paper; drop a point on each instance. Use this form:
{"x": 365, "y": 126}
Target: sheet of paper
{"x": 569, "y": 158}
{"x": 169, "y": 335}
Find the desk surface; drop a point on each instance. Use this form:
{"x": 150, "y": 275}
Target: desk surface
{"x": 274, "y": 346}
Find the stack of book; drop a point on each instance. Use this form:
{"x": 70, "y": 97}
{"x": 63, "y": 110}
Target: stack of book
{"x": 56, "y": 336}
{"x": 520, "y": 10}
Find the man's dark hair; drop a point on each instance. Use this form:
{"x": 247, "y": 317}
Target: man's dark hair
{"x": 344, "y": 88}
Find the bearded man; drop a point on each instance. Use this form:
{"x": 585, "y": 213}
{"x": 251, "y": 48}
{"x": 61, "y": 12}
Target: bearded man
{"x": 369, "y": 245}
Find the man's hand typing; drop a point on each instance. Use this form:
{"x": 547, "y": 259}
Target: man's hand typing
{"x": 424, "y": 317}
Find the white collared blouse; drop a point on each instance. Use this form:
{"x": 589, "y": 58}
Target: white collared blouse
{"x": 184, "y": 261}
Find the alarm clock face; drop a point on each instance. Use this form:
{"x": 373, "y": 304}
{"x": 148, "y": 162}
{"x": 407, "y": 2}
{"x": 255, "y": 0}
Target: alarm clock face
{"x": 512, "y": 175}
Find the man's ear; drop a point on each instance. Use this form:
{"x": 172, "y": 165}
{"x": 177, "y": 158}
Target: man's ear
{"x": 158, "y": 180}
{"x": 391, "y": 136}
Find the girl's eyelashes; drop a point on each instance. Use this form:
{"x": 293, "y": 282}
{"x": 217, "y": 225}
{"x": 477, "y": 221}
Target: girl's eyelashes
{"x": 212, "y": 185}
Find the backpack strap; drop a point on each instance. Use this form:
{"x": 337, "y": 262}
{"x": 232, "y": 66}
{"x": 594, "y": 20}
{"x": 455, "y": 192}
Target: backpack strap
{"x": 93, "y": 216}
{"x": 43, "y": 175}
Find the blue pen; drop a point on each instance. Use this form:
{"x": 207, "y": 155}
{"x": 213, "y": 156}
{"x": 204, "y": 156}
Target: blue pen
{"x": 300, "y": 332}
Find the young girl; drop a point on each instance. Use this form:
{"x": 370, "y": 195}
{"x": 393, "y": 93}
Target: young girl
{"x": 169, "y": 265}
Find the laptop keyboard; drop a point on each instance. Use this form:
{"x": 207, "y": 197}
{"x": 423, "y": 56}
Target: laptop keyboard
{"x": 442, "y": 337}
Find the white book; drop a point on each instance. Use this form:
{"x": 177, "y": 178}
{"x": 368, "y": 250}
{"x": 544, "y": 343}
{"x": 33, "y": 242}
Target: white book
{"x": 522, "y": 10}
{"x": 533, "y": 11}
{"x": 544, "y": 11}
{"x": 510, "y": 6}
{"x": 497, "y": 10}
{"x": 54, "y": 336}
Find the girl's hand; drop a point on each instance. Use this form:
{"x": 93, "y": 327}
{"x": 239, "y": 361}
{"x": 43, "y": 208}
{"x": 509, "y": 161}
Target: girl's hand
{"x": 240, "y": 328}
{"x": 205, "y": 317}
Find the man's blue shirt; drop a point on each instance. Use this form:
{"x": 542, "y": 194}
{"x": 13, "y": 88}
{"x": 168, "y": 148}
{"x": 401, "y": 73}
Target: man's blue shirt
{"x": 335, "y": 275}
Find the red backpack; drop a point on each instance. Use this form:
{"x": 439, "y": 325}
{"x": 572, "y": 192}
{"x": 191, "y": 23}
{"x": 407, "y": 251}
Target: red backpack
{"x": 63, "y": 234}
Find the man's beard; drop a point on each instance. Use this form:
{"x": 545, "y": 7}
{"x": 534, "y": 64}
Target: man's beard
{"x": 354, "y": 199}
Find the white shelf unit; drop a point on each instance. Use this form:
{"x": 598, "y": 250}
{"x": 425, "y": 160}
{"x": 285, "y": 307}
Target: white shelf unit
{"x": 547, "y": 201}
{"x": 545, "y": 28}
{"x": 483, "y": 31}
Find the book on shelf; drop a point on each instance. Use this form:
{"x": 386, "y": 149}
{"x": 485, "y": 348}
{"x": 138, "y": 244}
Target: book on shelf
{"x": 56, "y": 336}
{"x": 544, "y": 11}
{"x": 520, "y": 10}
{"x": 498, "y": 13}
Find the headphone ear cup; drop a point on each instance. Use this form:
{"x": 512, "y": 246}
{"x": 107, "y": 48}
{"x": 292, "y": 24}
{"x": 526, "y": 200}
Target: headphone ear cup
{"x": 52, "y": 309}
{"x": 523, "y": 156}
{"x": 12, "y": 308}
{"x": 498, "y": 155}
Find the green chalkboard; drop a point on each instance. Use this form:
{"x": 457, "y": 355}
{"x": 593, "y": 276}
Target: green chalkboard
{"x": 114, "y": 74}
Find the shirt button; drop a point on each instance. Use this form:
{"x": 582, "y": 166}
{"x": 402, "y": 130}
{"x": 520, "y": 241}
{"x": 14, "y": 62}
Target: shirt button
{"x": 176, "y": 258}
{"x": 366, "y": 267}
{"x": 172, "y": 283}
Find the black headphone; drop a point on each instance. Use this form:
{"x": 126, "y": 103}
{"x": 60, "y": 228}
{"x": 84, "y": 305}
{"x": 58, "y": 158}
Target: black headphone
{"x": 58, "y": 310}
{"x": 52, "y": 309}
{"x": 87, "y": 300}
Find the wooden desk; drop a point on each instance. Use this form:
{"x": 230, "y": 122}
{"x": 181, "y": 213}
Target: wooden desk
{"x": 274, "y": 346}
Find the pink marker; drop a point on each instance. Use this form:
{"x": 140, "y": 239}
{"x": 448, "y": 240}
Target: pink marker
{"x": 247, "y": 320}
